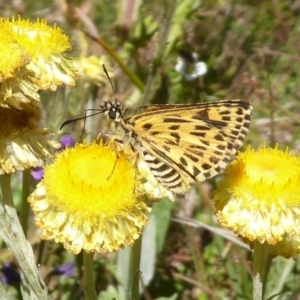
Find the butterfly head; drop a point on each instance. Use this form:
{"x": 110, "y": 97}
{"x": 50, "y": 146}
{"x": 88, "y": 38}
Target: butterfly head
{"x": 112, "y": 110}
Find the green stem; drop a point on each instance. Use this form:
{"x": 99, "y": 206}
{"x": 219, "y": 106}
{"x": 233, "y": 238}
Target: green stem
{"x": 89, "y": 280}
{"x": 135, "y": 268}
{"x": 25, "y": 206}
{"x": 261, "y": 266}
{"x": 40, "y": 252}
{"x": 6, "y": 190}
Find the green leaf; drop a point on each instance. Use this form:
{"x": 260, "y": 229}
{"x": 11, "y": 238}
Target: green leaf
{"x": 148, "y": 256}
{"x": 154, "y": 237}
{"x": 163, "y": 213}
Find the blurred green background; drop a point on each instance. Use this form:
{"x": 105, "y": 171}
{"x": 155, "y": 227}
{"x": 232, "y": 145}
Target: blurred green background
{"x": 252, "y": 51}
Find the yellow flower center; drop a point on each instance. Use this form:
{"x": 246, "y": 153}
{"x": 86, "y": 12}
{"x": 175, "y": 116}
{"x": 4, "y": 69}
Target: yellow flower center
{"x": 269, "y": 170}
{"x": 91, "y": 179}
{"x": 38, "y": 38}
{"x": 13, "y": 57}
{"x": 268, "y": 175}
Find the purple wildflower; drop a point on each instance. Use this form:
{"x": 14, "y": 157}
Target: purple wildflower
{"x": 10, "y": 275}
{"x": 66, "y": 141}
{"x": 64, "y": 269}
{"x": 37, "y": 173}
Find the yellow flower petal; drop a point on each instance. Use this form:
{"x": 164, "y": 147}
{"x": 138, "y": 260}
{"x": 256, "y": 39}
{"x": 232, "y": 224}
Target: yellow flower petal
{"x": 23, "y": 144}
{"x": 19, "y": 91}
{"x": 88, "y": 200}
{"x": 52, "y": 72}
{"x": 259, "y": 198}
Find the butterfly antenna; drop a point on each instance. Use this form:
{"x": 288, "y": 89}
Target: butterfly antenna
{"x": 97, "y": 112}
{"x": 106, "y": 73}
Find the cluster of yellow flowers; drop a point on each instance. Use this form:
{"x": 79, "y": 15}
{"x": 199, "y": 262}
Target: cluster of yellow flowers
{"x": 30, "y": 61}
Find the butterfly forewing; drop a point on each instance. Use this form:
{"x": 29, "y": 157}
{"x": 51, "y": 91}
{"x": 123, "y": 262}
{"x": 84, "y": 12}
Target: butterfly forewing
{"x": 187, "y": 143}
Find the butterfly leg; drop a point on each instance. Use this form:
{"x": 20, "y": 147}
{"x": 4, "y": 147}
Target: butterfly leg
{"x": 105, "y": 134}
{"x": 108, "y": 136}
{"x": 121, "y": 147}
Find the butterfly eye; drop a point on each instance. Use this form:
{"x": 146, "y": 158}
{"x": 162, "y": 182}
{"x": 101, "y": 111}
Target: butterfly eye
{"x": 112, "y": 114}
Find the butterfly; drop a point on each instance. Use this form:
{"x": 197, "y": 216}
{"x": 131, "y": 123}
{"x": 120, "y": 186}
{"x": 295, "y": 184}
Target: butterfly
{"x": 181, "y": 144}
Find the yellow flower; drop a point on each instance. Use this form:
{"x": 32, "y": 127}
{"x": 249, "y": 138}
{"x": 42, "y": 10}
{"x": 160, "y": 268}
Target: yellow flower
{"x": 16, "y": 87}
{"x": 23, "y": 143}
{"x": 44, "y": 46}
{"x": 91, "y": 69}
{"x": 88, "y": 200}
{"x": 260, "y": 199}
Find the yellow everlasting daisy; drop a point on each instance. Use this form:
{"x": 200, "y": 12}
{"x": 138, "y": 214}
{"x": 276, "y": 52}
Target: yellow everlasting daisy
{"x": 44, "y": 46}
{"x": 16, "y": 86}
{"x": 260, "y": 200}
{"x": 88, "y": 200}
{"x": 23, "y": 143}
